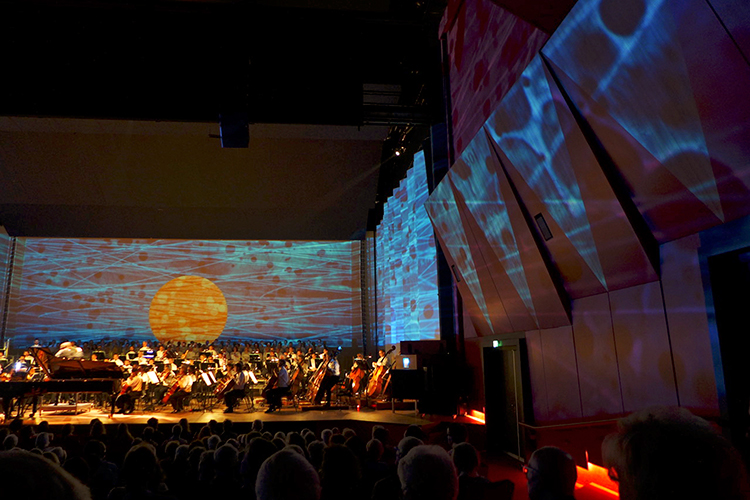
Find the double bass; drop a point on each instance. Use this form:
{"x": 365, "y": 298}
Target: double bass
{"x": 317, "y": 379}
{"x": 375, "y": 387}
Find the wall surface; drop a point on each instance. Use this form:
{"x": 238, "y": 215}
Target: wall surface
{"x": 573, "y": 215}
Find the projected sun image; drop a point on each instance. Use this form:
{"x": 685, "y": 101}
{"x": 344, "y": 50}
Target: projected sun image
{"x": 188, "y": 308}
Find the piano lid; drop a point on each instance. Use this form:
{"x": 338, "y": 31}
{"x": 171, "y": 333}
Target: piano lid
{"x": 60, "y": 368}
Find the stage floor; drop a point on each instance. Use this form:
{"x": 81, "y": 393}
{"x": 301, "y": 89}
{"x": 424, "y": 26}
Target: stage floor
{"x": 365, "y": 415}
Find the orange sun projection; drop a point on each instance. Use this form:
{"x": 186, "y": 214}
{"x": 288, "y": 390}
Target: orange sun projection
{"x": 188, "y": 308}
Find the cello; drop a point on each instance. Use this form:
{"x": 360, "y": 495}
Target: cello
{"x": 172, "y": 390}
{"x": 375, "y": 387}
{"x": 357, "y": 375}
{"x": 271, "y": 383}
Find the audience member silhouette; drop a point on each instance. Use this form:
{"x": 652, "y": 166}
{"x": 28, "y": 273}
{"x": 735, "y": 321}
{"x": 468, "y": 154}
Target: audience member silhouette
{"x": 286, "y": 475}
{"x": 668, "y": 453}
{"x": 427, "y": 473}
{"x": 551, "y": 474}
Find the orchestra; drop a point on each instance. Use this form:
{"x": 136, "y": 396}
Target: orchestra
{"x": 199, "y": 376}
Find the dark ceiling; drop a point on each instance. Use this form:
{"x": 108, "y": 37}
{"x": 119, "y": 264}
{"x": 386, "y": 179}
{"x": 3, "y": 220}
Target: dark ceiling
{"x": 109, "y": 114}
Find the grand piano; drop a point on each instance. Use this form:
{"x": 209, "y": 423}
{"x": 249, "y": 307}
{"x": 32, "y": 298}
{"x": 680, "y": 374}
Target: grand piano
{"x": 72, "y": 376}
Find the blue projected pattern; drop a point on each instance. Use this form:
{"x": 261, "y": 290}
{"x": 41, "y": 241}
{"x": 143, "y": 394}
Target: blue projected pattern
{"x": 407, "y": 263}
{"x": 98, "y": 288}
{"x": 480, "y": 188}
{"x": 626, "y": 57}
{"x": 527, "y": 129}
{"x": 4, "y": 262}
{"x": 443, "y": 211}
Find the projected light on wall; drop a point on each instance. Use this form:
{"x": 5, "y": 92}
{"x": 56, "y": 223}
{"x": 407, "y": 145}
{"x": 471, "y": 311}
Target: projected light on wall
{"x": 188, "y": 308}
{"x": 192, "y": 290}
{"x": 406, "y": 263}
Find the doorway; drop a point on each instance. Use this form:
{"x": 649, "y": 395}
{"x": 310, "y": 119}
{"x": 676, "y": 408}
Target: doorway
{"x": 504, "y": 401}
{"x": 730, "y": 287}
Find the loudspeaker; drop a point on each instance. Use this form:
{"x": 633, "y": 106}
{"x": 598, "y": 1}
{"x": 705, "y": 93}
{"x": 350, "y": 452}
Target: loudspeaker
{"x": 234, "y": 130}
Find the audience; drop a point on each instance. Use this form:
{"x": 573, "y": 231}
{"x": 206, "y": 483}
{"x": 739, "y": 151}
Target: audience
{"x": 662, "y": 453}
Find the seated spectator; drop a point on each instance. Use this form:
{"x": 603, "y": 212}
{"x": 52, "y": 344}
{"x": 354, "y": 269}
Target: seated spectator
{"x": 466, "y": 460}
{"x": 427, "y": 473}
{"x": 141, "y": 475}
{"x": 28, "y": 475}
{"x": 10, "y": 442}
{"x": 315, "y": 451}
{"x": 103, "y": 473}
{"x": 551, "y": 474}
{"x": 339, "y": 473}
{"x": 286, "y": 475}
{"x": 457, "y": 434}
{"x": 416, "y": 431}
{"x": 390, "y": 486}
{"x": 258, "y": 450}
{"x": 669, "y": 453}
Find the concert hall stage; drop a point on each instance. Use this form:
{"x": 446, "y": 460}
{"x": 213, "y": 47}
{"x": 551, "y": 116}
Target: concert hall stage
{"x": 288, "y": 415}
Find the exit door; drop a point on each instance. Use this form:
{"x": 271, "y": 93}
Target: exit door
{"x": 503, "y": 399}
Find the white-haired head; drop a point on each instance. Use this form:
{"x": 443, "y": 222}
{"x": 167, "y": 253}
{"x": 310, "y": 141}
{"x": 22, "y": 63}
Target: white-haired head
{"x": 427, "y": 473}
{"x": 287, "y": 475}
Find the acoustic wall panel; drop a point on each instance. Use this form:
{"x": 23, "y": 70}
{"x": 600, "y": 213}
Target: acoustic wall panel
{"x": 641, "y": 75}
{"x": 537, "y": 376}
{"x": 685, "y": 304}
{"x": 488, "y": 48}
{"x": 719, "y": 78}
{"x": 490, "y": 276}
{"x": 452, "y": 234}
{"x": 735, "y": 15}
{"x": 561, "y": 373}
{"x": 597, "y": 357}
{"x": 526, "y": 129}
{"x": 477, "y": 181}
{"x": 643, "y": 351}
{"x": 549, "y": 161}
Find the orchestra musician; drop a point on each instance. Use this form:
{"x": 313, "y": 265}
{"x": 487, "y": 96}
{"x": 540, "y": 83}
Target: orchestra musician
{"x": 274, "y": 395}
{"x": 383, "y": 360}
{"x": 69, "y": 350}
{"x": 238, "y": 391}
{"x": 132, "y": 389}
{"x": 166, "y": 379}
{"x": 161, "y": 354}
{"x": 333, "y": 370}
{"x": 184, "y": 388}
